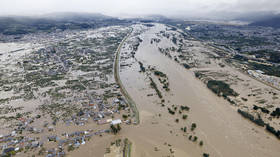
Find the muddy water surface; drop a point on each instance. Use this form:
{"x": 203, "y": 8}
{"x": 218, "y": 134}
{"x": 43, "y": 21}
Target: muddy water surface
{"x": 224, "y": 132}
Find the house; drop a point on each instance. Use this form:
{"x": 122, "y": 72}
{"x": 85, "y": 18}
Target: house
{"x": 8, "y": 150}
{"x": 260, "y": 72}
{"x": 116, "y": 101}
{"x": 117, "y": 121}
{"x": 35, "y": 144}
{"x": 53, "y": 138}
{"x": 91, "y": 104}
{"x": 104, "y": 121}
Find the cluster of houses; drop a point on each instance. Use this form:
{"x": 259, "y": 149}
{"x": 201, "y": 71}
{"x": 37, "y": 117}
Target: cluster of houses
{"x": 260, "y": 75}
{"x": 53, "y": 59}
{"x": 99, "y": 112}
{"x": 13, "y": 144}
{"x": 18, "y": 141}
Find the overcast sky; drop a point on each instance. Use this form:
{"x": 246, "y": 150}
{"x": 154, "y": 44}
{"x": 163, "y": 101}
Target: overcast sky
{"x": 123, "y": 7}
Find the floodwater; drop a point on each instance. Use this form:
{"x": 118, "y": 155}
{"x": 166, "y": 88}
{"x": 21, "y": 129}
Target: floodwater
{"x": 224, "y": 132}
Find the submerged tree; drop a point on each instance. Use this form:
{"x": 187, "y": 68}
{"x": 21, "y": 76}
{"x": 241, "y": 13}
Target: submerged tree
{"x": 115, "y": 129}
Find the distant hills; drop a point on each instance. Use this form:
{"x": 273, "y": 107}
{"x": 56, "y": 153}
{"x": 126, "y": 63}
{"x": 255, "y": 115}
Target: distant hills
{"x": 255, "y": 18}
{"x": 17, "y": 25}
{"x": 268, "y": 22}
{"x": 73, "y": 16}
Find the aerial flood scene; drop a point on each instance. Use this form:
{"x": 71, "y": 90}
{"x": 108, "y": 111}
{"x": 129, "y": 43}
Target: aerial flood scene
{"x": 140, "y": 78}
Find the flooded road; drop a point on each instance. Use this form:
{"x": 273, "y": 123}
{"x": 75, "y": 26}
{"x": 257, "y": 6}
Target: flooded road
{"x": 224, "y": 132}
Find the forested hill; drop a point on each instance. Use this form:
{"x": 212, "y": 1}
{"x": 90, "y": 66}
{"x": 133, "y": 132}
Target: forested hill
{"x": 16, "y": 25}
{"x": 269, "y": 22}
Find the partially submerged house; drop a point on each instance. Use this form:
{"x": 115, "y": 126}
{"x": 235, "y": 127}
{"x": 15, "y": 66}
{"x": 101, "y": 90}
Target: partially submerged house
{"x": 117, "y": 121}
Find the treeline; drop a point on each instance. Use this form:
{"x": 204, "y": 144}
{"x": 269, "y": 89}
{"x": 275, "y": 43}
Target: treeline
{"x": 186, "y": 66}
{"x": 273, "y": 131}
{"x": 264, "y": 110}
{"x": 159, "y": 73}
{"x": 272, "y": 70}
{"x": 142, "y": 68}
{"x": 276, "y": 113}
{"x": 185, "y": 108}
{"x": 260, "y": 122}
{"x": 154, "y": 85}
{"x": 221, "y": 88}
{"x": 247, "y": 115}
{"x": 267, "y": 69}
{"x": 25, "y": 25}
{"x": 273, "y": 55}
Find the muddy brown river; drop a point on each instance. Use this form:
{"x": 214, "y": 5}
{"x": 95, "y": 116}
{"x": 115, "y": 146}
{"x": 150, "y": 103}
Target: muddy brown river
{"x": 224, "y": 132}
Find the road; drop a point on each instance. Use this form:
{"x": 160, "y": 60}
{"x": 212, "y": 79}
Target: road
{"x": 119, "y": 82}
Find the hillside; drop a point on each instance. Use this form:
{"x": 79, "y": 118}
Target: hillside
{"x": 16, "y": 25}
{"x": 269, "y": 22}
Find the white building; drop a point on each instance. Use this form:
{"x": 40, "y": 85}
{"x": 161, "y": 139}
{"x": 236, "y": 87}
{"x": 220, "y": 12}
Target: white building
{"x": 117, "y": 121}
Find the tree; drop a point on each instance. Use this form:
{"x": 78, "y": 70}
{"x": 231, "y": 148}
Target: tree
{"x": 195, "y": 138}
{"x": 193, "y": 126}
{"x": 185, "y": 129}
{"x": 205, "y": 155}
{"x": 201, "y": 143}
{"x": 115, "y": 129}
{"x": 119, "y": 127}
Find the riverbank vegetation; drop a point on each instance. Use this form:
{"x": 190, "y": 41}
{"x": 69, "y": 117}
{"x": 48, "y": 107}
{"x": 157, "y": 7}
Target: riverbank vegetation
{"x": 154, "y": 86}
{"x": 221, "y": 88}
